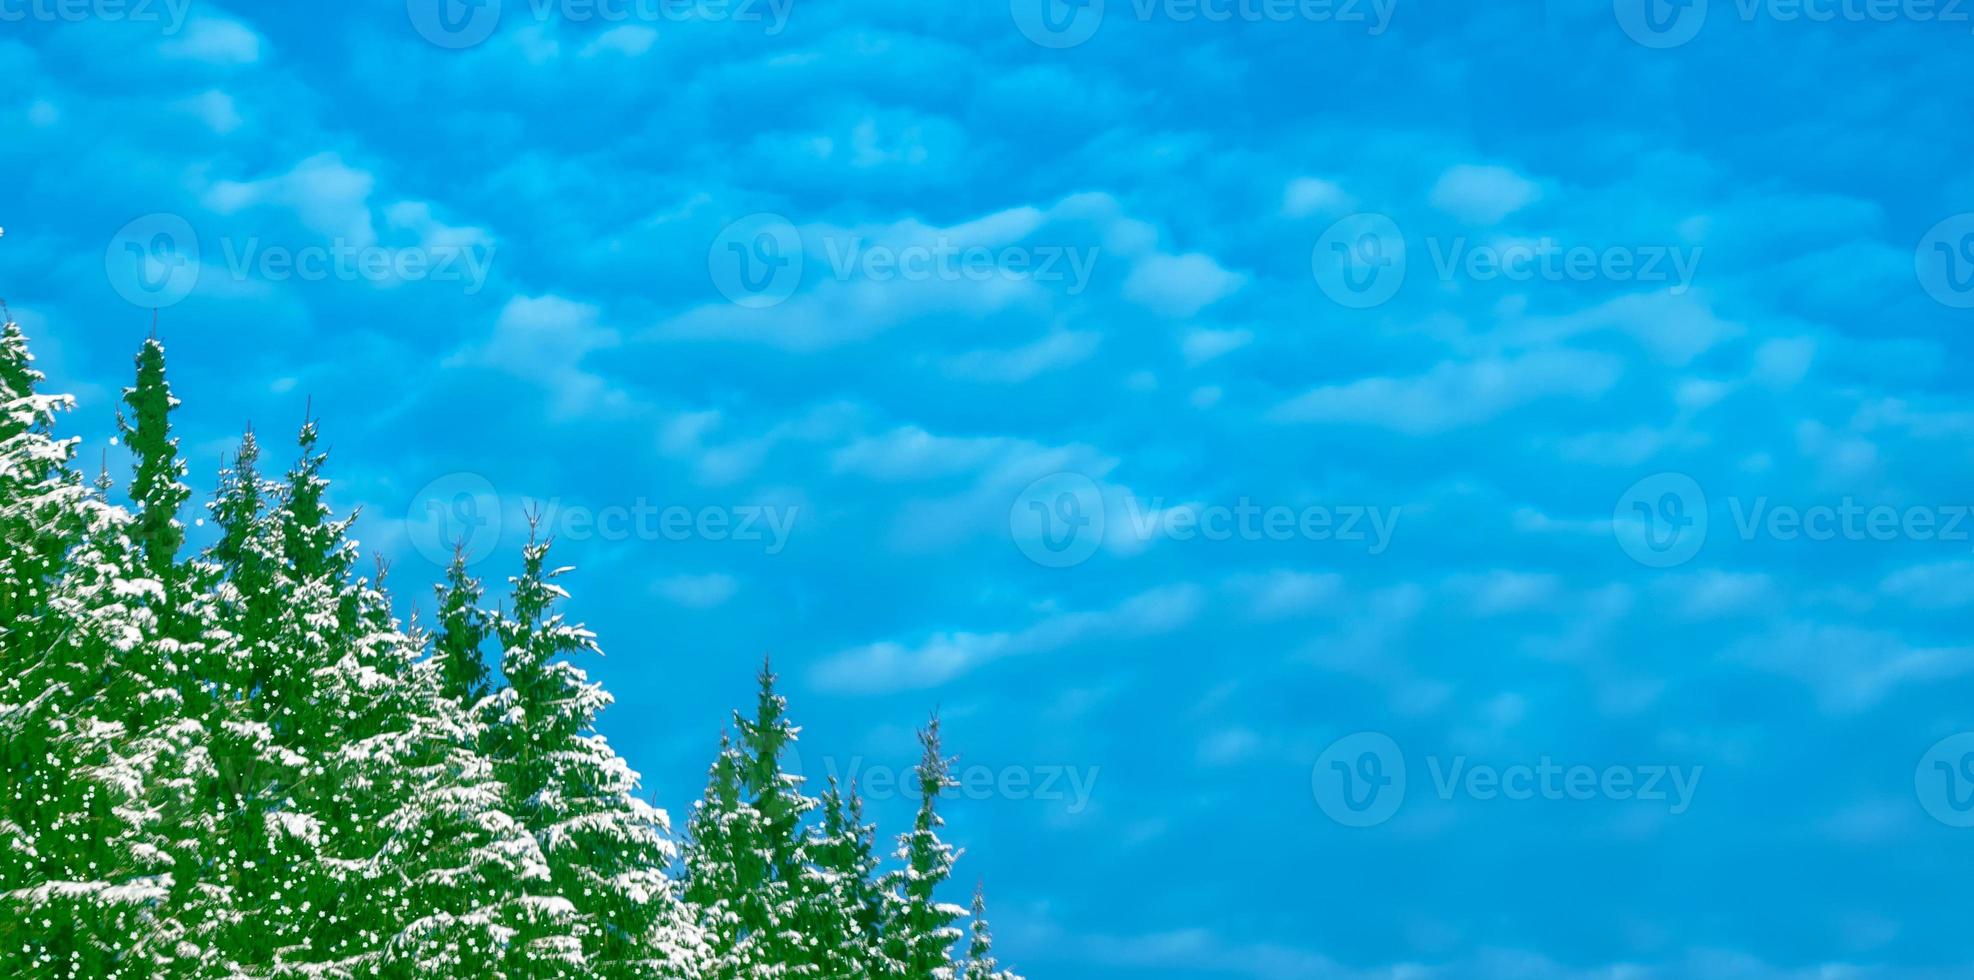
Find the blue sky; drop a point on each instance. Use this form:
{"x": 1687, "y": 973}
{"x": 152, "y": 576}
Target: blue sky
{"x": 1076, "y": 352}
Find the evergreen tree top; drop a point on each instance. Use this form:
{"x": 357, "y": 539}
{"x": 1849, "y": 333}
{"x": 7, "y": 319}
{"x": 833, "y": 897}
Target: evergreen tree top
{"x": 157, "y": 489}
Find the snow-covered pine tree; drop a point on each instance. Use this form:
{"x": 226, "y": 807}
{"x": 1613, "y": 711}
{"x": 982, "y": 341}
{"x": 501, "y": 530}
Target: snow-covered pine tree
{"x": 718, "y": 856}
{"x": 50, "y": 923}
{"x": 94, "y": 866}
{"x": 158, "y": 487}
{"x": 748, "y": 869}
{"x": 772, "y": 895}
{"x": 843, "y": 907}
{"x": 462, "y": 632}
{"x": 919, "y": 929}
{"x": 436, "y": 874}
{"x": 980, "y": 962}
{"x": 169, "y": 719}
{"x": 38, "y": 500}
{"x": 96, "y": 749}
{"x": 379, "y": 842}
{"x": 614, "y": 911}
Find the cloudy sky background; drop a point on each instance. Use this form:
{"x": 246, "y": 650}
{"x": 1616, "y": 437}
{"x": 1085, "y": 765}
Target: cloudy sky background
{"x": 1202, "y": 359}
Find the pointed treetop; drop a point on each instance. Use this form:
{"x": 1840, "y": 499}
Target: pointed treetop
{"x": 158, "y": 487}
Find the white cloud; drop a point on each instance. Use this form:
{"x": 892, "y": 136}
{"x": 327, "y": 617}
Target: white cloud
{"x": 1053, "y": 351}
{"x": 1483, "y": 195}
{"x": 215, "y": 40}
{"x": 1312, "y": 195}
{"x": 544, "y": 339}
{"x": 1180, "y": 285}
{"x": 1784, "y": 361}
{"x": 1940, "y": 585}
{"x": 911, "y": 453}
{"x": 1711, "y": 594}
{"x": 891, "y": 666}
{"x": 1282, "y": 593}
{"x": 214, "y": 108}
{"x": 629, "y": 40}
{"x": 329, "y": 196}
{"x": 1851, "y": 669}
{"x": 1503, "y": 591}
{"x": 1229, "y": 747}
{"x": 1456, "y": 394}
{"x": 698, "y": 591}
{"x": 1201, "y": 345}
{"x": 1675, "y": 327}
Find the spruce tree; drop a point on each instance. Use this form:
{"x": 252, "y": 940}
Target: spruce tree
{"x": 750, "y": 876}
{"x": 101, "y": 761}
{"x": 158, "y": 489}
{"x": 39, "y": 518}
{"x": 378, "y": 837}
{"x": 614, "y": 911}
{"x": 919, "y": 929}
{"x": 85, "y": 865}
{"x": 242, "y": 765}
{"x": 68, "y": 900}
{"x": 719, "y": 857}
{"x": 980, "y": 962}
{"x": 434, "y": 874}
{"x": 772, "y": 897}
{"x": 843, "y": 906}
{"x": 463, "y": 631}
